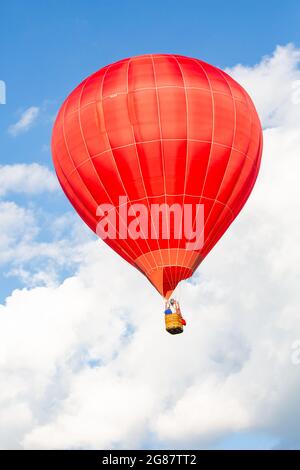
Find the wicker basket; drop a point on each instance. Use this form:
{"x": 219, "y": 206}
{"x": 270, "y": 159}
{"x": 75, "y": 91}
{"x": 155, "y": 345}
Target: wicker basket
{"x": 173, "y": 323}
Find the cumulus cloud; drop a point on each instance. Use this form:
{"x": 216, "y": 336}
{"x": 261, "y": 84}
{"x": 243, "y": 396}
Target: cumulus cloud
{"x": 274, "y": 85}
{"x": 36, "y": 247}
{"x": 17, "y": 223}
{"x": 30, "y": 178}
{"x": 87, "y": 363}
{"x": 26, "y": 121}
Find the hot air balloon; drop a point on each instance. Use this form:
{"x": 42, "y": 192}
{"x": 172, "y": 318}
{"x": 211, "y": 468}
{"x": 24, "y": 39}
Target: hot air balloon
{"x": 151, "y": 132}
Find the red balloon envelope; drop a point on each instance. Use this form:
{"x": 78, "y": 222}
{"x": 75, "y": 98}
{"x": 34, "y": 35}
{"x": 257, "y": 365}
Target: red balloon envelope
{"x": 159, "y": 130}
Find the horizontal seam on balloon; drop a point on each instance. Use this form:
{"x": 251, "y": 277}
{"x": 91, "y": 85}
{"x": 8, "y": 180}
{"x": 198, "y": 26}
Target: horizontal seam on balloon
{"x": 114, "y": 94}
{"x": 158, "y": 140}
{"x": 167, "y": 266}
{"x": 172, "y": 195}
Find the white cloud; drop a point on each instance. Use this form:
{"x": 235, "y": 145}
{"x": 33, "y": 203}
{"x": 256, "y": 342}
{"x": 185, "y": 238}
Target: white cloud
{"x": 18, "y": 225}
{"x": 87, "y": 363}
{"x": 273, "y": 84}
{"x": 25, "y": 254}
{"x": 26, "y": 178}
{"x": 26, "y": 121}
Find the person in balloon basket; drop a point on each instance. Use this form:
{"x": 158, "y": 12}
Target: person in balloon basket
{"x": 173, "y": 306}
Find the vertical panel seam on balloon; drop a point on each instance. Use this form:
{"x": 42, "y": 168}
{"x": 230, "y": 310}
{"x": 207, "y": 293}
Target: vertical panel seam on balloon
{"x": 114, "y": 159}
{"x": 186, "y": 157}
{"x": 161, "y": 149}
{"x": 142, "y": 176}
{"x": 98, "y": 177}
{"x": 90, "y": 159}
{"x": 228, "y": 161}
{"x": 212, "y": 130}
{"x": 234, "y": 186}
{"x": 70, "y": 156}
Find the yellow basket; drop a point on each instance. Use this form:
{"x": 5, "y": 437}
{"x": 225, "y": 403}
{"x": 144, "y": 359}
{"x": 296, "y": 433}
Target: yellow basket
{"x": 173, "y": 323}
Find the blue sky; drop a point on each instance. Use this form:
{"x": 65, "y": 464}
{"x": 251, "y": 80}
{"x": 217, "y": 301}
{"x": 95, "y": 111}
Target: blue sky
{"x": 46, "y": 48}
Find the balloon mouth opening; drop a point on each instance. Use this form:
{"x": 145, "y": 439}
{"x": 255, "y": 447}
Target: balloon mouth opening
{"x": 165, "y": 279}
{"x": 167, "y": 267}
